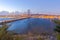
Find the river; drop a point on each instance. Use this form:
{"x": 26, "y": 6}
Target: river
{"x": 32, "y": 24}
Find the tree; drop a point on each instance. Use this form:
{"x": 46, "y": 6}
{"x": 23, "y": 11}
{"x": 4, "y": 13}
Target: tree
{"x": 57, "y": 28}
{"x": 4, "y": 35}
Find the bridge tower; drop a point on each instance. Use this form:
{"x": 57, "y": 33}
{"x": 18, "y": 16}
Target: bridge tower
{"x": 28, "y": 11}
{"x": 29, "y": 26}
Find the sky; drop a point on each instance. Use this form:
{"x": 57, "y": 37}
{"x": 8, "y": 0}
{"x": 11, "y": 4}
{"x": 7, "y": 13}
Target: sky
{"x": 33, "y": 5}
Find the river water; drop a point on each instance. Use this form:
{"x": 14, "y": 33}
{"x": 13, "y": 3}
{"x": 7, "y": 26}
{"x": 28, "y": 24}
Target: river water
{"x": 32, "y": 24}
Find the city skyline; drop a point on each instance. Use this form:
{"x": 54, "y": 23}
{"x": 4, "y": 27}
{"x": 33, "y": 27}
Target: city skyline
{"x": 36, "y": 6}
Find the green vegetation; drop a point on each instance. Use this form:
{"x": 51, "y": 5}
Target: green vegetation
{"x": 5, "y": 35}
{"x": 57, "y": 28}
{"x": 40, "y": 38}
{"x": 58, "y": 36}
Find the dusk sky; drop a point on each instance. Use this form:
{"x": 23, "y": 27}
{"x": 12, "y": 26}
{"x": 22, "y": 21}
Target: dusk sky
{"x": 33, "y": 5}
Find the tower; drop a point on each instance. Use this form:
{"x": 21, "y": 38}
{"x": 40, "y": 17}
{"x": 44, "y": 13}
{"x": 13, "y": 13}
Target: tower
{"x": 29, "y": 17}
{"x": 28, "y": 11}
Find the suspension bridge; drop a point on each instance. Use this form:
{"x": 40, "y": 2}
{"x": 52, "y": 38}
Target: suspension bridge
{"x": 8, "y": 21}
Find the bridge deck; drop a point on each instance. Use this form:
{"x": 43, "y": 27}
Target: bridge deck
{"x": 8, "y": 21}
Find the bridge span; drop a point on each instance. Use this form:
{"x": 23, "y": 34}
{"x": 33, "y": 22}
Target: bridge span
{"x": 8, "y": 21}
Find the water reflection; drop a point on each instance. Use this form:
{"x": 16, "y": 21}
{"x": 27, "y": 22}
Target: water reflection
{"x": 33, "y": 25}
